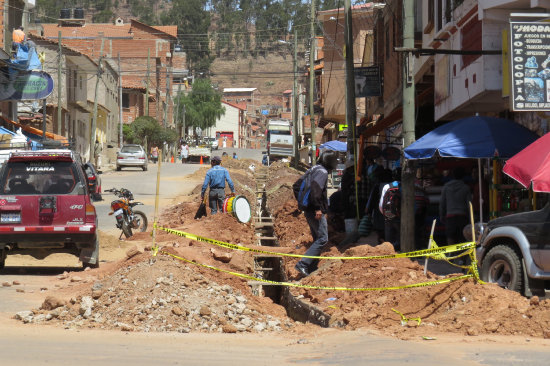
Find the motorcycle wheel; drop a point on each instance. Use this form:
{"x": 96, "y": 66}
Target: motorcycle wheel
{"x": 140, "y": 221}
{"x": 126, "y": 229}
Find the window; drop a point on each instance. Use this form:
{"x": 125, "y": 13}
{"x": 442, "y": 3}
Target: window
{"x": 80, "y": 82}
{"x": 439, "y": 15}
{"x": 125, "y": 100}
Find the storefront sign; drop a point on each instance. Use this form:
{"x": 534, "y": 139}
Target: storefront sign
{"x": 530, "y": 62}
{"x": 25, "y": 85}
{"x": 367, "y": 82}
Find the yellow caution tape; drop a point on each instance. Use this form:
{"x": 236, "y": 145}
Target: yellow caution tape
{"x": 290, "y": 284}
{"x": 435, "y": 253}
{"x": 405, "y": 320}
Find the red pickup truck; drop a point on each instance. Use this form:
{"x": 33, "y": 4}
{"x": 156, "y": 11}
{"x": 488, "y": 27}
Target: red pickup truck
{"x": 45, "y": 207}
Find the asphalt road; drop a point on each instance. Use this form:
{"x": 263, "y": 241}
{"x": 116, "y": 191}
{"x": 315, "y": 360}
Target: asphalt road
{"x": 143, "y": 185}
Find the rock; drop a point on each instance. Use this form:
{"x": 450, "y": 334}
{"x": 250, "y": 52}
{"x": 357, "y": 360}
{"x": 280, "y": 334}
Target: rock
{"x": 43, "y": 289}
{"x": 224, "y": 257}
{"x": 52, "y": 302}
{"x": 534, "y": 301}
{"x": 96, "y": 294}
{"x": 97, "y": 286}
{"x": 25, "y": 316}
{"x": 546, "y": 334}
{"x": 259, "y": 327}
{"x": 39, "y": 318}
{"x": 229, "y": 328}
{"x": 6, "y": 284}
{"x": 86, "y": 305}
{"x": 19, "y": 290}
{"x": 241, "y": 299}
{"x": 76, "y": 279}
{"x": 16, "y": 283}
{"x": 176, "y": 310}
{"x": 133, "y": 251}
{"x": 124, "y": 327}
{"x": 205, "y": 311}
{"x": 246, "y": 321}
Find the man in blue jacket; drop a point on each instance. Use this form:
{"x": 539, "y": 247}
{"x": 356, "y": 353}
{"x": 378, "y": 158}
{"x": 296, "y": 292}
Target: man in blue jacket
{"x": 215, "y": 179}
{"x": 316, "y": 211}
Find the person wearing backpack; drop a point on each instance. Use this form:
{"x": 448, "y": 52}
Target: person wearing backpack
{"x": 390, "y": 207}
{"x": 311, "y": 192}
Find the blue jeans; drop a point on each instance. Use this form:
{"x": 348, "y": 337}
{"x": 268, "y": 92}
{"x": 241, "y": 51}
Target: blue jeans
{"x": 319, "y": 232}
{"x": 216, "y": 196}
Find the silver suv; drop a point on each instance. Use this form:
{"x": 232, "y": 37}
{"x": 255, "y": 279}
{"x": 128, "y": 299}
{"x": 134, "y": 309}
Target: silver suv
{"x": 514, "y": 251}
{"x": 131, "y": 155}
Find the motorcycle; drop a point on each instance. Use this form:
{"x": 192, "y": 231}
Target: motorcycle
{"x": 126, "y": 217}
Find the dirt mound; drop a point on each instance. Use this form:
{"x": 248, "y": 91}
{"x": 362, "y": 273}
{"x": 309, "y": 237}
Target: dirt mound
{"x": 166, "y": 294}
{"x": 462, "y": 306}
{"x": 163, "y": 295}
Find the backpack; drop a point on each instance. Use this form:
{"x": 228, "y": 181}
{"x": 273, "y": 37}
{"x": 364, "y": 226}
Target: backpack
{"x": 302, "y": 189}
{"x": 391, "y": 204}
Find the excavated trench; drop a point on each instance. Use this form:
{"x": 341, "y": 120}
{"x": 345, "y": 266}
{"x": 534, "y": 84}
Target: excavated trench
{"x": 271, "y": 267}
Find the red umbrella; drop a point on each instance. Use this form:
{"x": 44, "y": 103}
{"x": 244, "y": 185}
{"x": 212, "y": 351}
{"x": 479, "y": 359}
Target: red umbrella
{"x": 532, "y": 164}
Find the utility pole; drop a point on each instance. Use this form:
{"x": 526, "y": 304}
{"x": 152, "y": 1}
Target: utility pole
{"x": 120, "y": 137}
{"x": 60, "y": 54}
{"x": 165, "y": 119}
{"x": 295, "y": 101}
{"x": 312, "y": 83}
{"x": 176, "y": 120}
{"x": 93, "y": 132}
{"x": 183, "y": 120}
{"x": 351, "y": 113}
{"x": 44, "y": 120}
{"x": 407, "y": 172}
{"x": 147, "y": 84}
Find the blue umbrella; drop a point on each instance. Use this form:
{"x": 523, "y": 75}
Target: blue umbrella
{"x": 335, "y": 145}
{"x": 473, "y": 137}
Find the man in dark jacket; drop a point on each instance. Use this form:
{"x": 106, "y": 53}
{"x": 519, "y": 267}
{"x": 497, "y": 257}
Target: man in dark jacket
{"x": 316, "y": 211}
{"x": 215, "y": 179}
{"x": 453, "y": 207}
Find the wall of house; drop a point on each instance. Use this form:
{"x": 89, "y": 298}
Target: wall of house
{"x": 229, "y": 122}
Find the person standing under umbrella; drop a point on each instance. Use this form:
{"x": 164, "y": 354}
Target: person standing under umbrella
{"x": 453, "y": 207}
{"x": 215, "y": 180}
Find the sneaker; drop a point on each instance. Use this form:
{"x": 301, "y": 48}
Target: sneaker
{"x": 302, "y": 269}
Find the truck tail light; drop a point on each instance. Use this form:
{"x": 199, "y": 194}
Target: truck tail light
{"x": 90, "y": 213}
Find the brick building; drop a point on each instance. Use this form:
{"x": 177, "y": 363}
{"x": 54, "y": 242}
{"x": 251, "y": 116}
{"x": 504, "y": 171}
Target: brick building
{"x": 135, "y": 42}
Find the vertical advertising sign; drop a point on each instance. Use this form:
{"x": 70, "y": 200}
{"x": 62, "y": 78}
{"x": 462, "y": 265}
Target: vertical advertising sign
{"x": 530, "y": 63}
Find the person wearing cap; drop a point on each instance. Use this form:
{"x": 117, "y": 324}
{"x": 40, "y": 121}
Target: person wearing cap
{"x": 215, "y": 180}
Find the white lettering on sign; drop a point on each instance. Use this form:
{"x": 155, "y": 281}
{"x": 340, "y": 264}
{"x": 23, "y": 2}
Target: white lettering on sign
{"x": 76, "y": 207}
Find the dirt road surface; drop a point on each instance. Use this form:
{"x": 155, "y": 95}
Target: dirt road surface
{"x": 29, "y": 281}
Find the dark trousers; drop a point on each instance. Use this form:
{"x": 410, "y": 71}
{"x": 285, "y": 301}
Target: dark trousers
{"x": 319, "y": 232}
{"x": 392, "y": 232}
{"x": 453, "y": 228}
{"x": 216, "y": 196}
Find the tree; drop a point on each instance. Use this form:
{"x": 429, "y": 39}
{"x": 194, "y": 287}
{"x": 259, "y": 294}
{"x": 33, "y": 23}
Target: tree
{"x": 193, "y": 20}
{"x": 203, "y": 106}
{"x": 146, "y": 130}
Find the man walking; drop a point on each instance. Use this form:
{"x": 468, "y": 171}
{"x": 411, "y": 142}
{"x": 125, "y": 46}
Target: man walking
{"x": 215, "y": 179}
{"x": 316, "y": 211}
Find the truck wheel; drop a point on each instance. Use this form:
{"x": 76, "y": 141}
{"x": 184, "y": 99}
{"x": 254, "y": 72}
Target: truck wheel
{"x": 95, "y": 254}
{"x": 118, "y": 168}
{"x": 502, "y": 265}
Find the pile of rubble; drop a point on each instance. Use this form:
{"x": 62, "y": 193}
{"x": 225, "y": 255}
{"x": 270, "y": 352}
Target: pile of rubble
{"x": 159, "y": 295}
